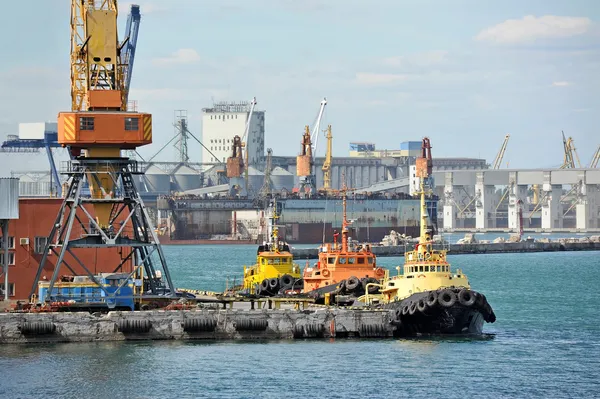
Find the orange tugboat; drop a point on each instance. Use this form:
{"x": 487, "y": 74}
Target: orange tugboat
{"x": 343, "y": 268}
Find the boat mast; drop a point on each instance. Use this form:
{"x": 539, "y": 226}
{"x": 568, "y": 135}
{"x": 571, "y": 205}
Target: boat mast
{"x": 424, "y": 168}
{"x": 344, "y": 221}
{"x": 274, "y": 236}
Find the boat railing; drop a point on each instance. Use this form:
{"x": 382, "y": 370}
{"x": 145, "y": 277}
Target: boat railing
{"x": 368, "y": 298}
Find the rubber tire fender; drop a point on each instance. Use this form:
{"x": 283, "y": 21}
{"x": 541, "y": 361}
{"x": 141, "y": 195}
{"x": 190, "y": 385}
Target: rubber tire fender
{"x": 405, "y": 310}
{"x": 273, "y": 284}
{"x": 466, "y": 298}
{"x": 412, "y": 309}
{"x": 264, "y": 285}
{"x": 447, "y": 298}
{"x": 421, "y": 305}
{"x": 286, "y": 280}
{"x": 352, "y": 283}
{"x": 432, "y": 299}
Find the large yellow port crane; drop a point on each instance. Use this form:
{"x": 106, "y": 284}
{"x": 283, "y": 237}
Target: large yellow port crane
{"x": 96, "y": 130}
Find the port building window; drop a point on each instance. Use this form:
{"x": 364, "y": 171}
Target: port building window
{"x": 11, "y": 242}
{"x": 39, "y": 245}
{"x": 11, "y": 289}
{"x": 86, "y": 123}
{"x": 132, "y": 124}
{"x": 11, "y": 259}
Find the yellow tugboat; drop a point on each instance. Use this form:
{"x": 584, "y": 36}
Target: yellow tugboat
{"x": 428, "y": 298}
{"x": 274, "y": 271}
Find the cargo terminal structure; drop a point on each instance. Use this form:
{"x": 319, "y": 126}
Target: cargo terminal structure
{"x": 381, "y": 201}
{"x": 191, "y": 200}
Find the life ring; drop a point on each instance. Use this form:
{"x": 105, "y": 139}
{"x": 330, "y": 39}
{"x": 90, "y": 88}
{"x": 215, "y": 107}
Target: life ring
{"x": 427, "y": 256}
{"x": 421, "y": 275}
{"x": 379, "y": 272}
{"x": 325, "y": 273}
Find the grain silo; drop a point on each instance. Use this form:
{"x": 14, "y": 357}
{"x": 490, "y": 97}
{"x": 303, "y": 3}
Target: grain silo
{"x": 282, "y": 179}
{"x": 186, "y": 178}
{"x": 256, "y": 178}
{"x": 157, "y": 180}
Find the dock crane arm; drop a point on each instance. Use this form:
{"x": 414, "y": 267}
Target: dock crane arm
{"x": 129, "y": 46}
{"x": 595, "y": 158}
{"x": 500, "y": 155}
{"x": 568, "y": 161}
{"x": 244, "y": 138}
{"x": 315, "y": 130}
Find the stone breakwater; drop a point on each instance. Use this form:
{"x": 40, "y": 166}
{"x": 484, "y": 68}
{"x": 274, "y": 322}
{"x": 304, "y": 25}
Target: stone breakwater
{"x": 231, "y": 324}
{"x": 475, "y": 248}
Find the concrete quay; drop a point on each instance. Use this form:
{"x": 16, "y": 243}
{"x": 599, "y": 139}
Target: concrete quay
{"x": 475, "y": 248}
{"x": 200, "y": 324}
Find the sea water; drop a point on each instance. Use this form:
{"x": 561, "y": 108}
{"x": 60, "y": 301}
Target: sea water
{"x": 545, "y": 343}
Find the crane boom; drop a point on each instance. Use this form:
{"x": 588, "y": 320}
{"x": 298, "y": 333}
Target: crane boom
{"x": 595, "y": 159}
{"x": 244, "y": 138}
{"x": 500, "y": 155}
{"x": 129, "y": 45}
{"x": 570, "y": 154}
{"x": 315, "y": 130}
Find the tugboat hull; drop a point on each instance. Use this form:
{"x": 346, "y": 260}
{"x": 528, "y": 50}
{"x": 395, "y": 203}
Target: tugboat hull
{"x": 452, "y": 311}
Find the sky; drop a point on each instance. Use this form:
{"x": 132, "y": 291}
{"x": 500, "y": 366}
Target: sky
{"x": 462, "y": 72}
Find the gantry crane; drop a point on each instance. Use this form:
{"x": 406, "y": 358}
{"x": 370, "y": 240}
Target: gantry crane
{"x": 500, "y": 155}
{"x": 327, "y": 163}
{"x": 235, "y": 168}
{"x": 96, "y": 130}
{"x": 570, "y": 154}
{"x": 305, "y": 161}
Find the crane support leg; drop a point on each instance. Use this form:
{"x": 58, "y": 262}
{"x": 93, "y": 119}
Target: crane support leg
{"x": 129, "y": 228}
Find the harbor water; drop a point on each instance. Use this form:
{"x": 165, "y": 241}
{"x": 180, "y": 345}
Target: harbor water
{"x": 543, "y": 344}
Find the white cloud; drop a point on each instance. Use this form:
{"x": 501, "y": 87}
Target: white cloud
{"x": 531, "y": 28}
{"x": 181, "y": 56}
{"x": 560, "y": 84}
{"x": 369, "y": 79}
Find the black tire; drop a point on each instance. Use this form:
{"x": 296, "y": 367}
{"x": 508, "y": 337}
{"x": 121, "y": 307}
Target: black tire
{"x": 405, "y": 310}
{"x": 432, "y": 299}
{"x": 421, "y": 305}
{"x": 466, "y": 298}
{"x": 412, "y": 308}
{"x": 352, "y": 283}
{"x": 397, "y": 314}
{"x": 447, "y": 298}
{"x": 264, "y": 285}
{"x": 341, "y": 287}
{"x": 273, "y": 284}
{"x": 258, "y": 289}
{"x": 286, "y": 280}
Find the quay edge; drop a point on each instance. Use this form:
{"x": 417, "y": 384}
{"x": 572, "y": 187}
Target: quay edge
{"x": 477, "y": 248}
{"x": 229, "y": 324}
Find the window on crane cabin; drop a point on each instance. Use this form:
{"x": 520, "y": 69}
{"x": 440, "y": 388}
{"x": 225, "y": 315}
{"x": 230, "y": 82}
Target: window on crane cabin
{"x": 131, "y": 124}
{"x": 86, "y": 123}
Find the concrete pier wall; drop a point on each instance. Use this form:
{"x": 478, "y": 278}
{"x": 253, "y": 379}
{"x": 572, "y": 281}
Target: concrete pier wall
{"x": 22, "y": 328}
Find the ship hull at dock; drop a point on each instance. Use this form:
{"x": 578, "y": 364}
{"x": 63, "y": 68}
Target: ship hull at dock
{"x": 303, "y": 221}
{"x": 456, "y": 320}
